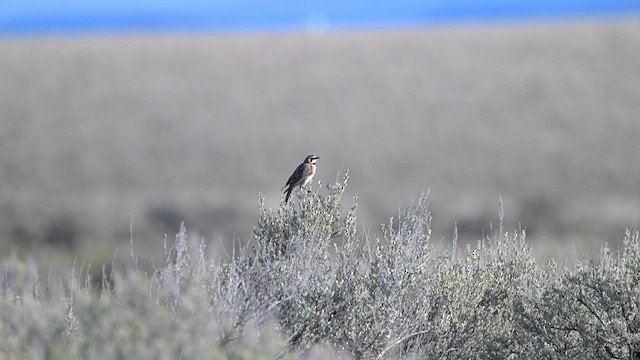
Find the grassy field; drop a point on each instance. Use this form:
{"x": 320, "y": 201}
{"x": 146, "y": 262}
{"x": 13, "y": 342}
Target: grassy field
{"x": 99, "y": 133}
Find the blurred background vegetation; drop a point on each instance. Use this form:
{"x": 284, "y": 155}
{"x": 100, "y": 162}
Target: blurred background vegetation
{"x": 104, "y": 134}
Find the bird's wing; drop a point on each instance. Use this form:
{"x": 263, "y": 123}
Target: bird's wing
{"x": 297, "y": 175}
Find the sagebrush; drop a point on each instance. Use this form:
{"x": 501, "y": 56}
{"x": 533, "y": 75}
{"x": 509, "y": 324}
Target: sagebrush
{"x": 311, "y": 285}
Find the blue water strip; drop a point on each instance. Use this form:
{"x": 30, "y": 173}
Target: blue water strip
{"x": 29, "y": 17}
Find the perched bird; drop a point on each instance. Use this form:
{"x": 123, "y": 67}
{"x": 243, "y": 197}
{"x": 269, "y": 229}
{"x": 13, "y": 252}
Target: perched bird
{"x": 302, "y": 176}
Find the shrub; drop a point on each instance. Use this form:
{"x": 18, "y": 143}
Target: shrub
{"x": 591, "y": 312}
{"x": 309, "y": 285}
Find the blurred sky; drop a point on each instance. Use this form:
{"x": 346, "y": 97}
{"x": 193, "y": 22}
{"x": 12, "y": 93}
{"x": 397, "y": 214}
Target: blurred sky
{"x": 20, "y": 17}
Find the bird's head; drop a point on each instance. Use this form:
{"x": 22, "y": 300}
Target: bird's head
{"x": 311, "y": 159}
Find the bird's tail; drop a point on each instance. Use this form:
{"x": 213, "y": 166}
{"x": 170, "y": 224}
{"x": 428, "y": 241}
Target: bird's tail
{"x": 286, "y": 198}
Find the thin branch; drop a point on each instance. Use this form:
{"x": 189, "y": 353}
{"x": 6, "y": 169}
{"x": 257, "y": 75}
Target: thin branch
{"x": 399, "y": 341}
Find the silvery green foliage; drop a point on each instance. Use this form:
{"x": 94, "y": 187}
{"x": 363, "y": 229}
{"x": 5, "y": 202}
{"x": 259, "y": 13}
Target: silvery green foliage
{"x": 135, "y": 316}
{"x": 392, "y": 295}
{"x": 310, "y": 286}
{"x": 296, "y": 275}
{"x": 590, "y": 312}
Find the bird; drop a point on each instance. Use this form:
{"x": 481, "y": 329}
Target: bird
{"x": 302, "y": 175}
